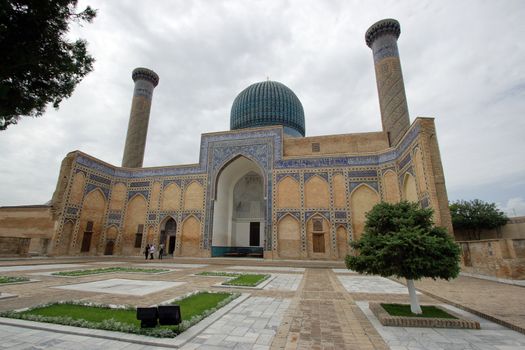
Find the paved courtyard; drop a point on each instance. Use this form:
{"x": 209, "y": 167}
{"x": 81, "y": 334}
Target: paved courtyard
{"x": 305, "y": 305}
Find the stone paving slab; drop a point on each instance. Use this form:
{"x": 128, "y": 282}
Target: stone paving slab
{"x": 38, "y": 267}
{"x": 267, "y": 268}
{"x": 173, "y": 265}
{"x": 122, "y": 286}
{"x": 491, "y": 335}
{"x": 283, "y": 281}
{"x": 343, "y": 271}
{"x": 371, "y": 284}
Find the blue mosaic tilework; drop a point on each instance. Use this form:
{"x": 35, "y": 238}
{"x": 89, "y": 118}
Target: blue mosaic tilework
{"x": 139, "y": 184}
{"x": 100, "y": 179}
{"x": 197, "y": 215}
{"x": 152, "y": 217}
{"x": 373, "y": 184}
{"x": 340, "y": 214}
{"x": 281, "y": 214}
{"x": 404, "y": 161}
{"x": 279, "y": 177}
{"x": 131, "y": 194}
{"x": 425, "y": 202}
{"x": 363, "y": 173}
{"x": 71, "y": 210}
{"x": 165, "y": 183}
{"x": 310, "y": 213}
{"x": 91, "y": 187}
{"x": 309, "y": 175}
{"x": 114, "y": 216}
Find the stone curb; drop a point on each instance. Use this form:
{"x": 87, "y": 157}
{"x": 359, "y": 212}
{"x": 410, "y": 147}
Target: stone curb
{"x": 175, "y": 343}
{"x": 473, "y": 311}
{"x": 429, "y": 322}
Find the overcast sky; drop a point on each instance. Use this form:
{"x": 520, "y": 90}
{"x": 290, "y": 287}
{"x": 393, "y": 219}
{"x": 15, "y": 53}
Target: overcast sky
{"x": 463, "y": 63}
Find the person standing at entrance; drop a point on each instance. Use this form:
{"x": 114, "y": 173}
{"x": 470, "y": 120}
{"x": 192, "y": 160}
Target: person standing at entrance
{"x": 146, "y": 251}
{"x": 152, "y": 252}
{"x": 161, "y": 250}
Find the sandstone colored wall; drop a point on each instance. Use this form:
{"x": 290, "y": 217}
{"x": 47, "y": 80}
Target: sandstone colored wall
{"x": 118, "y": 196}
{"x": 135, "y": 215}
{"x": 317, "y": 193}
{"x": 93, "y": 209}
{"x": 289, "y": 238}
{"x": 391, "y": 187}
{"x": 342, "y": 242}
{"x": 25, "y": 230}
{"x": 171, "y": 197}
{"x": 336, "y": 144}
{"x": 515, "y": 228}
{"x": 339, "y": 188}
{"x": 191, "y": 233}
{"x": 288, "y": 195}
{"x": 501, "y": 258}
{"x": 362, "y": 201}
{"x": 194, "y": 196}
{"x": 410, "y": 189}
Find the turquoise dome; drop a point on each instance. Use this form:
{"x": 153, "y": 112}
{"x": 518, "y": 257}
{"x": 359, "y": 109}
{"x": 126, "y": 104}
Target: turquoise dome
{"x": 268, "y": 103}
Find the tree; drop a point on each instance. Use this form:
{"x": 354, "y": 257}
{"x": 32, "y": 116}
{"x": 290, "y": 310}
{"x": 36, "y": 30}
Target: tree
{"x": 38, "y": 65}
{"x": 475, "y": 216}
{"x": 401, "y": 240}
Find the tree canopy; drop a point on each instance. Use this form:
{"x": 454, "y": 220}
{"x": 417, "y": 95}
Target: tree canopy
{"x": 38, "y": 64}
{"x": 401, "y": 240}
{"x": 475, "y": 216}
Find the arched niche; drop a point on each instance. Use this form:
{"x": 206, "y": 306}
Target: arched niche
{"x": 317, "y": 193}
{"x": 118, "y": 196}
{"x": 318, "y": 237}
{"x": 288, "y": 193}
{"x": 240, "y": 207}
{"x": 190, "y": 237}
{"x": 409, "y": 188}
{"x": 362, "y": 200}
{"x": 134, "y": 225}
{"x": 338, "y": 181}
{"x": 194, "y": 196}
{"x": 91, "y": 219}
{"x": 77, "y": 188}
{"x": 171, "y": 197}
{"x": 289, "y": 237}
{"x": 168, "y": 234}
{"x": 342, "y": 241}
{"x": 391, "y": 187}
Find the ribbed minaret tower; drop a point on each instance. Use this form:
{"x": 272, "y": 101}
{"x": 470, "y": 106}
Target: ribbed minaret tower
{"x": 145, "y": 81}
{"x": 382, "y": 37}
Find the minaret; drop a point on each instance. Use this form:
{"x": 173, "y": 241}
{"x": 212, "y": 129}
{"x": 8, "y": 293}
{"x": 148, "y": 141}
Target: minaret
{"x": 145, "y": 81}
{"x": 382, "y": 37}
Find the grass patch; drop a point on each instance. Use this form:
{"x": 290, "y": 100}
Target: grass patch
{"x": 193, "y": 308}
{"x": 218, "y": 273}
{"x": 246, "y": 280}
{"x": 9, "y": 279}
{"x": 404, "y": 310}
{"x": 107, "y": 270}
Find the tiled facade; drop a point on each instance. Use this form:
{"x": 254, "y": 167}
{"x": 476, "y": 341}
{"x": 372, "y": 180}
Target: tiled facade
{"x": 336, "y": 188}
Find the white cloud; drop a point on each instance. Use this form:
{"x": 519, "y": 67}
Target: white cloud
{"x": 462, "y": 63}
{"x": 514, "y": 207}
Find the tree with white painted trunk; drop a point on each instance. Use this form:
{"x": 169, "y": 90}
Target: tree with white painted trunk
{"x": 401, "y": 240}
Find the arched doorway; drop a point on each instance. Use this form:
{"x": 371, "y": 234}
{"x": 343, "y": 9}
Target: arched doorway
{"x": 110, "y": 246}
{"x": 239, "y": 210}
{"x": 168, "y": 235}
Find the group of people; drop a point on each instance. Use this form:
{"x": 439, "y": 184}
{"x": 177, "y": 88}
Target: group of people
{"x": 150, "y": 251}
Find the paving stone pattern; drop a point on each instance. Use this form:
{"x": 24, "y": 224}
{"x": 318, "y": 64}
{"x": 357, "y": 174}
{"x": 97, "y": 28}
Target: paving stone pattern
{"x": 284, "y": 282}
{"x": 372, "y": 285}
{"x": 268, "y": 268}
{"x": 491, "y": 335}
{"x": 250, "y": 325}
{"x": 39, "y": 267}
{"x": 122, "y": 286}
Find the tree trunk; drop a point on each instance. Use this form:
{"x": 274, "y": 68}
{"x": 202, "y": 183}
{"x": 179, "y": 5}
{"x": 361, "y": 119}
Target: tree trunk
{"x": 414, "y": 302}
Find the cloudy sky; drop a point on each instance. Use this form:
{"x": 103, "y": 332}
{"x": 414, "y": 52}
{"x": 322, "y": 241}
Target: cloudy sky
{"x": 463, "y": 63}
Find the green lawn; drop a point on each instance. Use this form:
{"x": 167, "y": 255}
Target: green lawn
{"x": 193, "y": 307}
{"x": 8, "y": 279}
{"x": 404, "y": 310}
{"x": 247, "y": 280}
{"x": 107, "y": 270}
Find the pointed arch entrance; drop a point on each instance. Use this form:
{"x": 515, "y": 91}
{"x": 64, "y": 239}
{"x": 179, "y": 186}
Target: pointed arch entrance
{"x": 239, "y": 210}
{"x": 168, "y": 235}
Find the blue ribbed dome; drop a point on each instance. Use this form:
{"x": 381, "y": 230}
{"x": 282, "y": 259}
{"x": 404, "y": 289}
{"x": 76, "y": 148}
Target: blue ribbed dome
{"x": 268, "y": 103}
